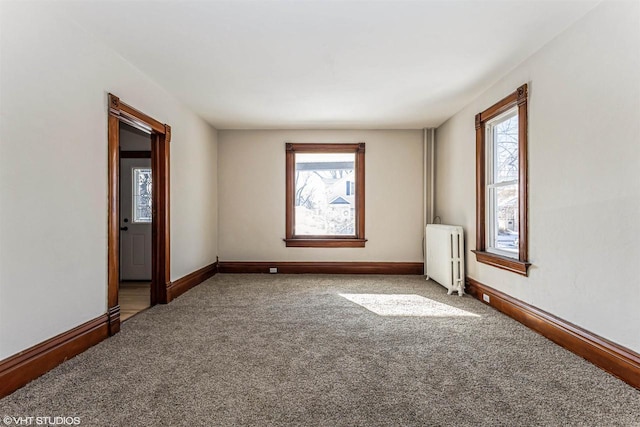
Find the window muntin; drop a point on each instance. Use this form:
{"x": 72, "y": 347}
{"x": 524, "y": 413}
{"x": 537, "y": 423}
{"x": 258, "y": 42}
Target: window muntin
{"x": 502, "y": 184}
{"x": 141, "y": 193}
{"x": 325, "y": 195}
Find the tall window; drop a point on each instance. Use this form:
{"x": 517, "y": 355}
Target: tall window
{"x": 325, "y": 195}
{"x": 501, "y": 190}
{"x": 502, "y": 184}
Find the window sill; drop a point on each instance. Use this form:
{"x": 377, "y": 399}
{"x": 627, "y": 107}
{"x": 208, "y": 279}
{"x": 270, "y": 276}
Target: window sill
{"x": 503, "y": 262}
{"x": 325, "y": 243}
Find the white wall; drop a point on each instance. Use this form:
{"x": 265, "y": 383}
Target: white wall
{"x": 252, "y": 196}
{"x": 53, "y": 174}
{"x": 584, "y": 158}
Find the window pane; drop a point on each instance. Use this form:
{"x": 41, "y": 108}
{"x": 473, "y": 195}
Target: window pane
{"x": 505, "y": 143}
{"x": 506, "y": 218}
{"x": 324, "y": 199}
{"x": 141, "y": 195}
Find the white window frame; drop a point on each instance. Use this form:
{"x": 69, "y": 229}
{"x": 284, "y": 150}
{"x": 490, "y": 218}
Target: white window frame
{"x": 492, "y": 186}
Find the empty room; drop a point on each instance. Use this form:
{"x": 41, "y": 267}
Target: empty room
{"x": 320, "y": 213}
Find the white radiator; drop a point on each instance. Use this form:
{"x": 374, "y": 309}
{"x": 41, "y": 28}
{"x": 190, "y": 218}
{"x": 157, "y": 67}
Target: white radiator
{"x": 444, "y": 256}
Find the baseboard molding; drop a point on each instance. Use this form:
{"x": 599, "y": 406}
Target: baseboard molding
{"x": 611, "y": 357}
{"x": 323, "y": 267}
{"x": 187, "y": 282}
{"x": 20, "y": 369}
{"x": 114, "y": 319}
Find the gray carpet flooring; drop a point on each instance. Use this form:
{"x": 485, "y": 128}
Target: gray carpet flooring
{"x": 269, "y": 350}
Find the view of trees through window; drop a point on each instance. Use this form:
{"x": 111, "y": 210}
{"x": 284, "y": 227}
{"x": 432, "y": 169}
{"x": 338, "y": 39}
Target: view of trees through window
{"x": 503, "y": 186}
{"x": 324, "y": 196}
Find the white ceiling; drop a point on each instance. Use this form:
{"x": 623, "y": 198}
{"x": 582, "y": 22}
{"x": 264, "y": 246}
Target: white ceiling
{"x": 326, "y": 64}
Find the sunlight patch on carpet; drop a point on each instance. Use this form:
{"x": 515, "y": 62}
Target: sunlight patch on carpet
{"x": 405, "y": 305}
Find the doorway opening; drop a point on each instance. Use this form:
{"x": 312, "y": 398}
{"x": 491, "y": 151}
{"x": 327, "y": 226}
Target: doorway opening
{"x": 138, "y": 225}
{"x": 136, "y": 187}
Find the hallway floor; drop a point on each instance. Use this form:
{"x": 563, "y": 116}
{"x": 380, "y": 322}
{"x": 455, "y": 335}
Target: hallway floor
{"x": 133, "y": 297}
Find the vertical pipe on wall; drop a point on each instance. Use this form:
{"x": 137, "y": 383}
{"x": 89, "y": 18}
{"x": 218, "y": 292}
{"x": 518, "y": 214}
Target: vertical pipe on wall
{"x": 432, "y": 178}
{"x": 428, "y": 175}
{"x": 425, "y": 184}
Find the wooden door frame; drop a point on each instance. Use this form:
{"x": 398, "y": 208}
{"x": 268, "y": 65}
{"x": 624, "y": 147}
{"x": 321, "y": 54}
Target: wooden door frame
{"x": 160, "y": 257}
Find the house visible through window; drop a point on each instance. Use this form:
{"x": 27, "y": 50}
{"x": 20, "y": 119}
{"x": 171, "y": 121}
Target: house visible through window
{"x": 501, "y": 175}
{"x": 322, "y": 206}
{"x": 325, "y": 195}
{"x": 351, "y": 188}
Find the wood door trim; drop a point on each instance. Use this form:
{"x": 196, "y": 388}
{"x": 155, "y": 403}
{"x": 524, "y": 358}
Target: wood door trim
{"x": 160, "y": 138}
{"x": 134, "y": 117}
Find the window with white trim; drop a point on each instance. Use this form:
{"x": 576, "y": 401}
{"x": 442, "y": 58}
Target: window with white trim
{"x": 501, "y": 193}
